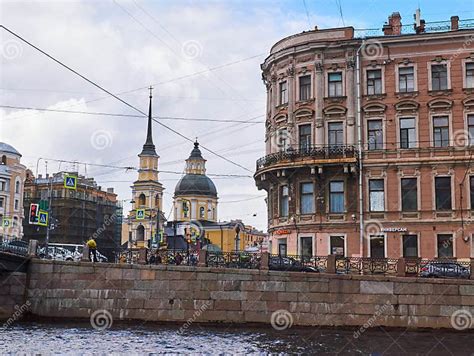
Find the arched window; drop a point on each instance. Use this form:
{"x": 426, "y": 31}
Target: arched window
{"x": 17, "y": 187}
{"x": 157, "y": 201}
{"x": 201, "y": 212}
{"x": 140, "y": 233}
{"x": 4, "y": 159}
{"x": 142, "y": 199}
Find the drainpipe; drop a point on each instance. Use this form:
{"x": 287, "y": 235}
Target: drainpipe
{"x": 359, "y": 144}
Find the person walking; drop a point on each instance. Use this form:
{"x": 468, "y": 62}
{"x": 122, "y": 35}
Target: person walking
{"x": 92, "y": 250}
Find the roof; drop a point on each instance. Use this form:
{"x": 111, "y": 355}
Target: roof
{"x": 196, "y": 152}
{"x": 5, "y": 147}
{"x": 195, "y": 184}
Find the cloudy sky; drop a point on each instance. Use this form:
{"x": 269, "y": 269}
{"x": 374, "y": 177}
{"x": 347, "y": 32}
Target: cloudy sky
{"x": 202, "y": 57}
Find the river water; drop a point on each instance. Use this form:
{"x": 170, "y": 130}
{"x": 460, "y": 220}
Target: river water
{"x": 81, "y": 338}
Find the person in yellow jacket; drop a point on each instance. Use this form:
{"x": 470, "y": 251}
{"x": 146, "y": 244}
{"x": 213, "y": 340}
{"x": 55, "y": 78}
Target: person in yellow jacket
{"x": 92, "y": 250}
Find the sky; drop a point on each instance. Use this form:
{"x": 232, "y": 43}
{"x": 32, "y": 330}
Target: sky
{"x": 202, "y": 58}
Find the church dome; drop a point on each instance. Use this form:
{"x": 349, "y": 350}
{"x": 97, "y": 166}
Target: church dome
{"x": 6, "y": 148}
{"x": 195, "y": 184}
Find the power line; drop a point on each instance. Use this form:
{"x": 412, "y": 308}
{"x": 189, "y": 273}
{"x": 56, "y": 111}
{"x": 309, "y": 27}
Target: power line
{"x": 129, "y": 115}
{"x": 119, "y": 99}
{"x": 338, "y": 3}
{"x": 307, "y": 13}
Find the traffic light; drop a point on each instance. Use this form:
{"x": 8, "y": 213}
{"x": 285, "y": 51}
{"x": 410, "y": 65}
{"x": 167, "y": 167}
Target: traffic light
{"x": 34, "y": 208}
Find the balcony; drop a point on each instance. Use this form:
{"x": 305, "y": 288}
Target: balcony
{"x": 310, "y": 155}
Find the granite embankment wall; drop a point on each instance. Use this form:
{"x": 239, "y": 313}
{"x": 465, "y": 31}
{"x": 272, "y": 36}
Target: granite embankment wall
{"x": 12, "y": 294}
{"x": 181, "y": 293}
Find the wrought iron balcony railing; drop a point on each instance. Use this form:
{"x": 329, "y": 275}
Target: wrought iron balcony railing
{"x": 312, "y": 152}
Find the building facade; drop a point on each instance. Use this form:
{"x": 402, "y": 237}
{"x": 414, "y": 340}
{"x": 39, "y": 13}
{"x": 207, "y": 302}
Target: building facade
{"x": 12, "y": 179}
{"x": 146, "y": 219}
{"x": 75, "y": 216}
{"x": 369, "y": 142}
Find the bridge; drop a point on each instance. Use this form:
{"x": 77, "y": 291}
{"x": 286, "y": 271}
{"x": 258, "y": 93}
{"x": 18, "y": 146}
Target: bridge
{"x": 14, "y": 259}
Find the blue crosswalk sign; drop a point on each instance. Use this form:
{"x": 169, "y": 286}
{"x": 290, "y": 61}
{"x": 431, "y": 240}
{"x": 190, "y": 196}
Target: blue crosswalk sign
{"x": 43, "y": 218}
{"x": 70, "y": 182}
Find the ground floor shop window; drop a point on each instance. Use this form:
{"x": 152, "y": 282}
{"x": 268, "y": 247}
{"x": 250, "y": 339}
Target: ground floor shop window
{"x": 307, "y": 247}
{"x": 377, "y": 246}
{"x": 337, "y": 245}
{"x": 445, "y": 245}
{"x": 410, "y": 246}
{"x": 282, "y": 247}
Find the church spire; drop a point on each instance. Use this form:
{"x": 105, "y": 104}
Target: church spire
{"x": 149, "y": 147}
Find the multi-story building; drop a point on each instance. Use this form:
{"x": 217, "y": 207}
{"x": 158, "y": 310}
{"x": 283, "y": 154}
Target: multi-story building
{"x": 12, "y": 178}
{"x": 75, "y": 215}
{"x": 369, "y": 141}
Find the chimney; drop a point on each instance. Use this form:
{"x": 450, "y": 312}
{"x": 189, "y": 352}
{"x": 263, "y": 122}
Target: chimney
{"x": 394, "y": 26}
{"x": 110, "y": 190}
{"x": 40, "y": 176}
{"x": 454, "y": 23}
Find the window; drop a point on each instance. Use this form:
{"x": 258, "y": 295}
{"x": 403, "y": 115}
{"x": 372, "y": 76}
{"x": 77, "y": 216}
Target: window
{"x": 185, "y": 208}
{"x": 305, "y": 137}
{"x": 443, "y": 193}
{"x": 470, "y": 127}
{"x": 406, "y": 79}
{"x": 337, "y": 245}
{"x": 2, "y": 186}
{"x": 410, "y": 246}
{"x": 471, "y": 191}
{"x": 409, "y": 193}
{"x": 439, "y": 77}
{"x": 306, "y": 201}
{"x": 284, "y": 200}
{"x": 1, "y": 202}
{"x": 374, "y": 82}
{"x": 142, "y": 199}
{"x": 441, "y": 131}
{"x": 375, "y": 134}
{"x": 335, "y": 84}
{"x": 305, "y": 87}
{"x": 4, "y": 159}
{"x": 377, "y": 246}
{"x": 201, "y": 212}
{"x": 336, "y": 197}
{"x": 445, "y": 245}
{"x": 307, "y": 247}
{"x": 283, "y": 93}
{"x": 407, "y": 132}
{"x": 17, "y": 187}
{"x": 470, "y": 75}
{"x": 283, "y": 142}
{"x": 335, "y": 134}
{"x": 16, "y": 204}
{"x": 376, "y": 195}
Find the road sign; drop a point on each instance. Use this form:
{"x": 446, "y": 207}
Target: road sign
{"x": 6, "y": 222}
{"x": 34, "y": 214}
{"x": 140, "y": 214}
{"x": 70, "y": 182}
{"x": 43, "y": 218}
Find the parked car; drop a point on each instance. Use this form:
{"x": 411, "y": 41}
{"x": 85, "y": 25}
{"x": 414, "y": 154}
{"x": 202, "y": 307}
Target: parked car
{"x": 15, "y": 246}
{"x": 282, "y": 263}
{"x": 56, "y": 253}
{"x": 444, "y": 270}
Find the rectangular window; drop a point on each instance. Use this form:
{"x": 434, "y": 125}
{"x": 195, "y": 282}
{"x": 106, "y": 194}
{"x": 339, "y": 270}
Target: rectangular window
{"x": 470, "y": 125}
{"x": 307, "y": 247}
{"x": 445, "y": 245}
{"x": 337, "y": 245}
{"x": 1, "y": 202}
{"x": 306, "y": 202}
{"x": 377, "y": 246}
{"x": 375, "y": 134}
{"x": 439, "y": 77}
{"x": 336, "y": 197}
{"x": 409, "y": 193}
{"x": 443, "y": 193}
{"x": 305, "y": 87}
{"x": 406, "y": 79}
{"x": 471, "y": 191}
{"x": 441, "y": 131}
{"x": 470, "y": 75}
{"x": 283, "y": 93}
{"x": 410, "y": 246}
{"x": 374, "y": 82}
{"x": 335, "y": 84}
{"x": 305, "y": 137}
{"x": 335, "y": 134}
{"x": 407, "y": 132}
{"x": 284, "y": 200}
{"x": 376, "y": 195}
{"x": 16, "y": 204}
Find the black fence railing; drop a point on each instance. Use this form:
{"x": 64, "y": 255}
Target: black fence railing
{"x": 366, "y": 265}
{"x": 309, "y": 151}
{"x": 233, "y": 260}
{"x": 13, "y": 249}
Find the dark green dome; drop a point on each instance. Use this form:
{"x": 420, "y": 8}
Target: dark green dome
{"x": 195, "y": 184}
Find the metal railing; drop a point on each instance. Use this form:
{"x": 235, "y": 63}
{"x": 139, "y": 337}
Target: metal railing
{"x": 233, "y": 260}
{"x": 16, "y": 250}
{"x": 310, "y": 151}
{"x": 366, "y": 265}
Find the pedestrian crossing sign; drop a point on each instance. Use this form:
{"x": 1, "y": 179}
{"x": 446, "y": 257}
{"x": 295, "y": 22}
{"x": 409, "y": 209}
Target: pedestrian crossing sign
{"x": 140, "y": 214}
{"x": 43, "y": 218}
{"x": 6, "y": 222}
{"x": 70, "y": 182}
